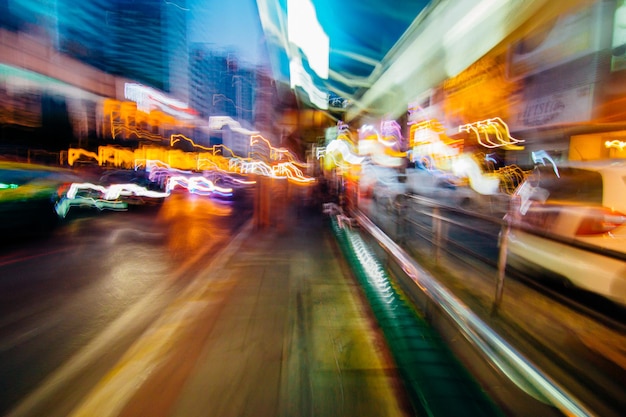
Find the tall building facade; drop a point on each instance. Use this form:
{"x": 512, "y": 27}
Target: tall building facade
{"x": 31, "y": 16}
{"x": 143, "y": 40}
{"x": 79, "y": 54}
{"x": 218, "y": 86}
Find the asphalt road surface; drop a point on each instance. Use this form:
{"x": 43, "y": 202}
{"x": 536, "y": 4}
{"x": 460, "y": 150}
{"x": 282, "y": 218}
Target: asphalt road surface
{"x": 99, "y": 278}
{"x": 187, "y": 310}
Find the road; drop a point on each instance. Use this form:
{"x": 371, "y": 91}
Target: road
{"x": 98, "y": 281}
{"x": 187, "y": 310}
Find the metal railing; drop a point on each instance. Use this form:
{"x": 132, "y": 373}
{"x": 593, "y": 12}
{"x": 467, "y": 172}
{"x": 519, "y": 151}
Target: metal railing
{"x": 494, "y": 348}
{"x": 505, "y": 224}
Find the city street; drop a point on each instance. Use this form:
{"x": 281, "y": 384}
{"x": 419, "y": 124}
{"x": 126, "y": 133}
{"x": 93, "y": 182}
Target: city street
{"x": 95, "y": 283}
{"x": 179, "y": 310}
{"x": 251, "y": 208}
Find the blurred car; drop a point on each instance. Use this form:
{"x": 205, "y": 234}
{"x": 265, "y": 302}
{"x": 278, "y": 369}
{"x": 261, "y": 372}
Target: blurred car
{"x": 387, "y": 189}
{"x": 27, "y": 196}
{"x": 134, "y": 187}
{"x": 582, "y": 203}
{"x": 379, "y": 183}
{"x": 452, "y": 191}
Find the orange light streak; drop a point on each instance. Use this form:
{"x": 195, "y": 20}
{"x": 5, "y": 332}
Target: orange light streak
{"x": 174, "y": 138}
{"x": 275, "y": 154}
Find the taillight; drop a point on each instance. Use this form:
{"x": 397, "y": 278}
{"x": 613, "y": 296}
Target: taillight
{"x": 63, "y": 189}
{"x": 601, "y": 221}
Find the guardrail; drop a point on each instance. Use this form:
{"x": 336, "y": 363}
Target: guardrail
{"x": 428, "y": 202}
{"x": 435, "y": 382}
{"x": 504, "y": 225}
{"x": 497, "y": 351}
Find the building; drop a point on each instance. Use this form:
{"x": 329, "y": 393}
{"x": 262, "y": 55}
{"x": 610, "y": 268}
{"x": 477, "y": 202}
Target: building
{"x": 559, "y": 88}
{"x": 142, "y": 40}
{"x": 92, "y": 49}
{"x": 218, "y": 86}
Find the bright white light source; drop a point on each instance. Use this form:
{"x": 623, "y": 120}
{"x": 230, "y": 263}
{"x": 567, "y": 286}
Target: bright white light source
{"x": 299, "y": 77}
{"x": 148, "y": 99}
{"x": 304, "y": 30}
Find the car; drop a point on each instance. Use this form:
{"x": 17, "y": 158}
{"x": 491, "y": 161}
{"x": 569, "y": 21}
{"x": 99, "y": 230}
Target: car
{"x": 569, "y": 224}
{"x": 133, "y": 187}
{"x": 381, "y": 184}
{"x": 28, "y": 193}
{"x": 453, "y": 191}
{"x": 387, "y": 189}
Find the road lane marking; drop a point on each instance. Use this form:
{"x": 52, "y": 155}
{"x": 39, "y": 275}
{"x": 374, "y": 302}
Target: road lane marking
{"x": 114, "y": 391}
{"x": 22, "y": 258}
{"x": 122, "y": 326}
{"x": 54, "y": 384}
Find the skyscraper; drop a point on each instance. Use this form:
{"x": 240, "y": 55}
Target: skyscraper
{"x": 219, "y": 86}
{"x": 143, "y": 40}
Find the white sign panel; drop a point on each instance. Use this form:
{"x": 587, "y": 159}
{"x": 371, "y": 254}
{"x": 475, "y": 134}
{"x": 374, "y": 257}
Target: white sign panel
{"x": 564, "y": 107}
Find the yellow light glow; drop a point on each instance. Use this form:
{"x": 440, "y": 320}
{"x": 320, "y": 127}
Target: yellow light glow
{"x": 125, "y": 119}
{"x": 215, "y": 158}
{"x": 428, "y": 142}
{"x": 339, "y": 150}
{"x": 493, "y": 133}
{"x": 74, "y": 154}
{"x": 466, "y": 166}
{"x": 381, "y": 149}
{"x": 617, "y": 144}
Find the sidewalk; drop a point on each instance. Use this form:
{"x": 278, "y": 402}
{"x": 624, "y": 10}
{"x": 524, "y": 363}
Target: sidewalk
{"x": 276, "y": 325}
